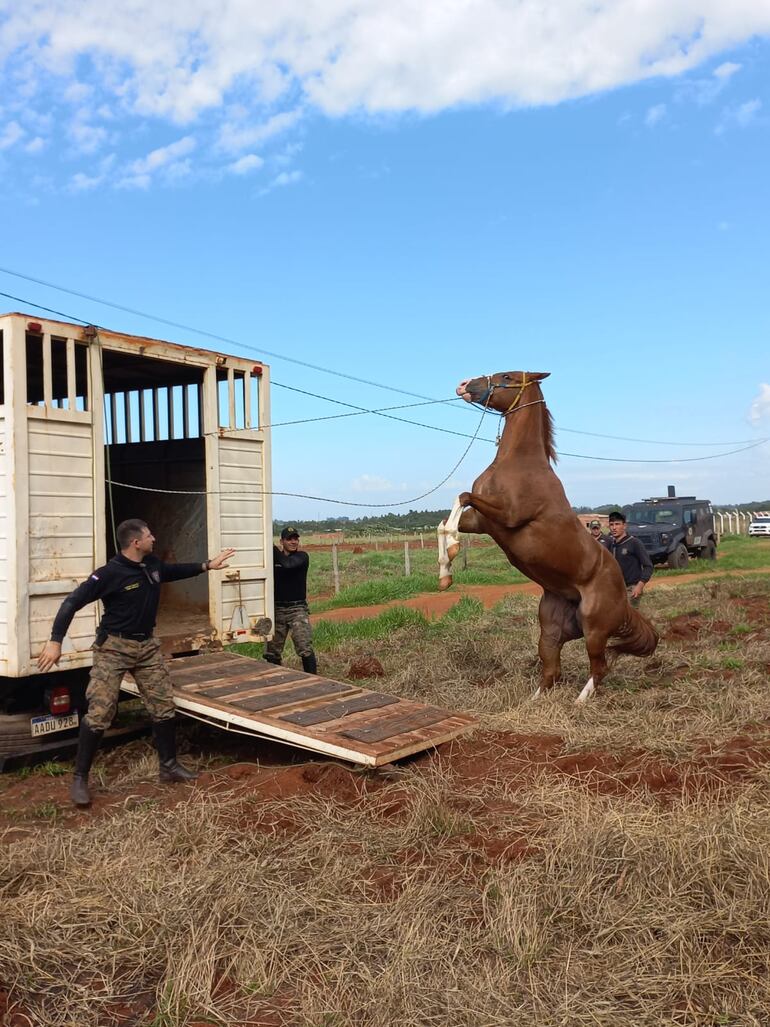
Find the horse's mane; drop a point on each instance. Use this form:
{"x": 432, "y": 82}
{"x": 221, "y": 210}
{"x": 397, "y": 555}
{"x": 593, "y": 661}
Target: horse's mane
{"x": 550, "y": 448}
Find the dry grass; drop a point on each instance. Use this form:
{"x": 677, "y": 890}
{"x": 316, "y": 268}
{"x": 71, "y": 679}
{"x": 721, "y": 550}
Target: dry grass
{"x": 625, "y": 912}
{"x": 437, "y": 897}
{"x": 687, "y": 692}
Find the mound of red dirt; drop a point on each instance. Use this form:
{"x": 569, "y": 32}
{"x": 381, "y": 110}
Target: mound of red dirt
{"x": 365, "y": 667}
{"x": 514, "y": 759}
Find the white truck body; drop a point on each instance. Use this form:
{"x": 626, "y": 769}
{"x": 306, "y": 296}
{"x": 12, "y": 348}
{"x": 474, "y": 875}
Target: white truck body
{"x": 83, "y": 409}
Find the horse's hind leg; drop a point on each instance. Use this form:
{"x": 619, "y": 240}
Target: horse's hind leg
{"x": 596, "y": 644}
{"x": 558, "y": 624}
{"x": 449, "y": 541}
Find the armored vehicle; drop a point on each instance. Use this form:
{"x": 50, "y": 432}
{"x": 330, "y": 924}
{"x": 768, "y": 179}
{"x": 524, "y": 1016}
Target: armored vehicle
{"x": 673, "y": 528}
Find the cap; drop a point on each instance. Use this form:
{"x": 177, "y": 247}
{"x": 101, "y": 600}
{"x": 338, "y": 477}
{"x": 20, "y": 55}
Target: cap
{"x": 289, "y": 533}
{"x": 594, "y": 524}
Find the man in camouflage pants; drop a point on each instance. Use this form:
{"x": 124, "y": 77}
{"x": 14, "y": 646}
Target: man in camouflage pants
{"x": 129, "y": 588}
{"x": 290, "y": 569}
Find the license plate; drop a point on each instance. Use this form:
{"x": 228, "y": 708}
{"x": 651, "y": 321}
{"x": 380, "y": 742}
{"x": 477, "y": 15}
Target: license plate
{"x": 49, "y": 724}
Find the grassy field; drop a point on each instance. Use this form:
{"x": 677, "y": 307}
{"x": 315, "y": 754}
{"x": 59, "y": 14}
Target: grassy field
{"x": 373, "y": 577}
{"x": 605, "y": 865}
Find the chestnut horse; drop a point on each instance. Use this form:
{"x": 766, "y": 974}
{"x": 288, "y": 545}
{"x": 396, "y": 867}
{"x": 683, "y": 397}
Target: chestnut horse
{"x": 521, "y": 503}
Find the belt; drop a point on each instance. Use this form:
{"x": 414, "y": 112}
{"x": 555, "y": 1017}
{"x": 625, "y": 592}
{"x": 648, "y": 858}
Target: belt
{"x": 135, "y": 636}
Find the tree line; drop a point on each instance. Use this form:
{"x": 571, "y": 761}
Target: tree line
{"x": 428, "y": 520}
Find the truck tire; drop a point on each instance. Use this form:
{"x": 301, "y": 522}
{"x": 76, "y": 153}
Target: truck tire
{"x": 679, "y": 557}
{"x": 15, "y": 737}
{"x": 709, "y": 551}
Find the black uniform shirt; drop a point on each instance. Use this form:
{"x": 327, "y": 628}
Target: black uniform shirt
{"x": 128, "y": 590}
{"x": 632, "y": 557}
{"x": 290, "y": 573}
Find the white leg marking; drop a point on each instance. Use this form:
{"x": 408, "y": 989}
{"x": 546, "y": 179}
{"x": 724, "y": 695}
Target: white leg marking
{"x": 587, "y": 692}
{"x": 447, "y": 536}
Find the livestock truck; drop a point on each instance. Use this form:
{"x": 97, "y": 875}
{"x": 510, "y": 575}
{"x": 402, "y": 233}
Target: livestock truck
{"x": 96, "y": 427}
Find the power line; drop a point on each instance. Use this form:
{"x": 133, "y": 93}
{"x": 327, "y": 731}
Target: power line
{"x": 303, "y": 363}
{"x": 208, "y": 335}
{"x": 383, "y": 411}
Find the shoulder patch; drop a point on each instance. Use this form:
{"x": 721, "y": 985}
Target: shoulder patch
{"x": 129, "y": 588}
{"x": 94, "y": 577}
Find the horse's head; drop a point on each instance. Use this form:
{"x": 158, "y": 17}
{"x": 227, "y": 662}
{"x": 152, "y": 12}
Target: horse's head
{"x": 499, "y": 391}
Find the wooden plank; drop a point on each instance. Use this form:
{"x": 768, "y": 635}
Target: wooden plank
{"x": 236, "y": 682}
{"x": 292, "y": 695}
{"x": 198, "y": 682}
{"x": 389, "y": 727}
{"x": 206, "y": 659}
{"x": 336, "y": 710}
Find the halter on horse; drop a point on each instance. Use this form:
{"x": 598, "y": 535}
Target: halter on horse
{"x": 521, "y": 503}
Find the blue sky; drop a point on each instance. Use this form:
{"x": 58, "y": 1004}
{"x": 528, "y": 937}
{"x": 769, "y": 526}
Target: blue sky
{"x": 414, "y": 195}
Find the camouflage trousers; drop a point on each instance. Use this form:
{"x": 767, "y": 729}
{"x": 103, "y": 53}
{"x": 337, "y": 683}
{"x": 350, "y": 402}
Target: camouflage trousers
{"x": 295, "y": 621}
{"x": 112, "y": 659}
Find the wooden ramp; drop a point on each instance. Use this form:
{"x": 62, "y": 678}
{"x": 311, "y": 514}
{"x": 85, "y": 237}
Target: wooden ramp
{"x": 257, "y": 698}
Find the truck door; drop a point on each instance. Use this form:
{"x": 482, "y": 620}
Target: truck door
{"x": 690, "y": 524}
{"x": 63, "y": 503}
{"x": 239, "y": 506}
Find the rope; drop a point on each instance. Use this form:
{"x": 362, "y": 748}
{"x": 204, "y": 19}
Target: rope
{"x": 301, "y": 495}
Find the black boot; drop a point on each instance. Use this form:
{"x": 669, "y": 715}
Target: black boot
{"x": 310, "y": 664}
{"x": 272, "y": 659}
{"x": 164, "y": 732}
{"x": 88, "y": 743}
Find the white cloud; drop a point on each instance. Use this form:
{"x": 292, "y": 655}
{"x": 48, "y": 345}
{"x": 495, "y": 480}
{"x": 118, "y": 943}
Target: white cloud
{"x": 242, "y": 166}
{"x": 287, "y": 178}
{"x": 746, "y": 113}
{"x": 35, "y": 145}
{"x": 655, "y": 114}
{"x": 162, "y": 156}
{"x": 81, "y": 183}
{"x": 175, "y": 60}
{"x": 743, "y": 115}
{"x": 237, "y": 135}
{"x": 248, "y": 73}
{"x": 134, "y": 182}
{"x": 283, "y": 179}
{"x": 726, "y": 70}
{"x": 760, "y": 407}
{"x": 10, "y": 135}
{"x": 87, "y": 137}
{"x": 371, "y": 483}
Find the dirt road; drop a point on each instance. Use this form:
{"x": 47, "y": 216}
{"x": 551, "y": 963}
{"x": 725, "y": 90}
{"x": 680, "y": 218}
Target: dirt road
{"x": 436, "y": 604}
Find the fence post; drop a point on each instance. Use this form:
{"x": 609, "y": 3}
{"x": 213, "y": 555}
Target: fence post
{"x": 407, "y": 562}
{"x": 335, "y": 568}
{"x": 422, "y": 541}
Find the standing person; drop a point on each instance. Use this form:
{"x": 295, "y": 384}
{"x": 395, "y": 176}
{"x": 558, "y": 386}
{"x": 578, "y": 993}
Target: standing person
{"x": 595, "y": 529}
{"x": 129, "y": 588}
{"x": 290, "y": 569}
{"x": 631, "y": 555}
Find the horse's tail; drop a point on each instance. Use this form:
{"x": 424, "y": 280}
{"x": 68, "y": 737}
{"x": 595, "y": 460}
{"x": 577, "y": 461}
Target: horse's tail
{"x": 636, "y": 635}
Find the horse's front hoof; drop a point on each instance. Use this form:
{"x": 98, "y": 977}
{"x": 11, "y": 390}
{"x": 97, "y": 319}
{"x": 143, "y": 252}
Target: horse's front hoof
{"x": 444, "y": 582}
{"x": 452, "y": 552}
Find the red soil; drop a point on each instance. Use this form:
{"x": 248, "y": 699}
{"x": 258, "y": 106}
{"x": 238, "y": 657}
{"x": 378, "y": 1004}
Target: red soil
{"x": 436, "y": 604}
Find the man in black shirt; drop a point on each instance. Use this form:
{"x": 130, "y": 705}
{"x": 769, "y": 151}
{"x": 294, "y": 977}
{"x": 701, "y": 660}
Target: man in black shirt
{"x": 630, "y": 553}
{"x": 129, "y": 588}
{"x": 290, "y": 569}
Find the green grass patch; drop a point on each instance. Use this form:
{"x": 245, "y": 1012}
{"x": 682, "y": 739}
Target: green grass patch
{"x": 735, "y": 553}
